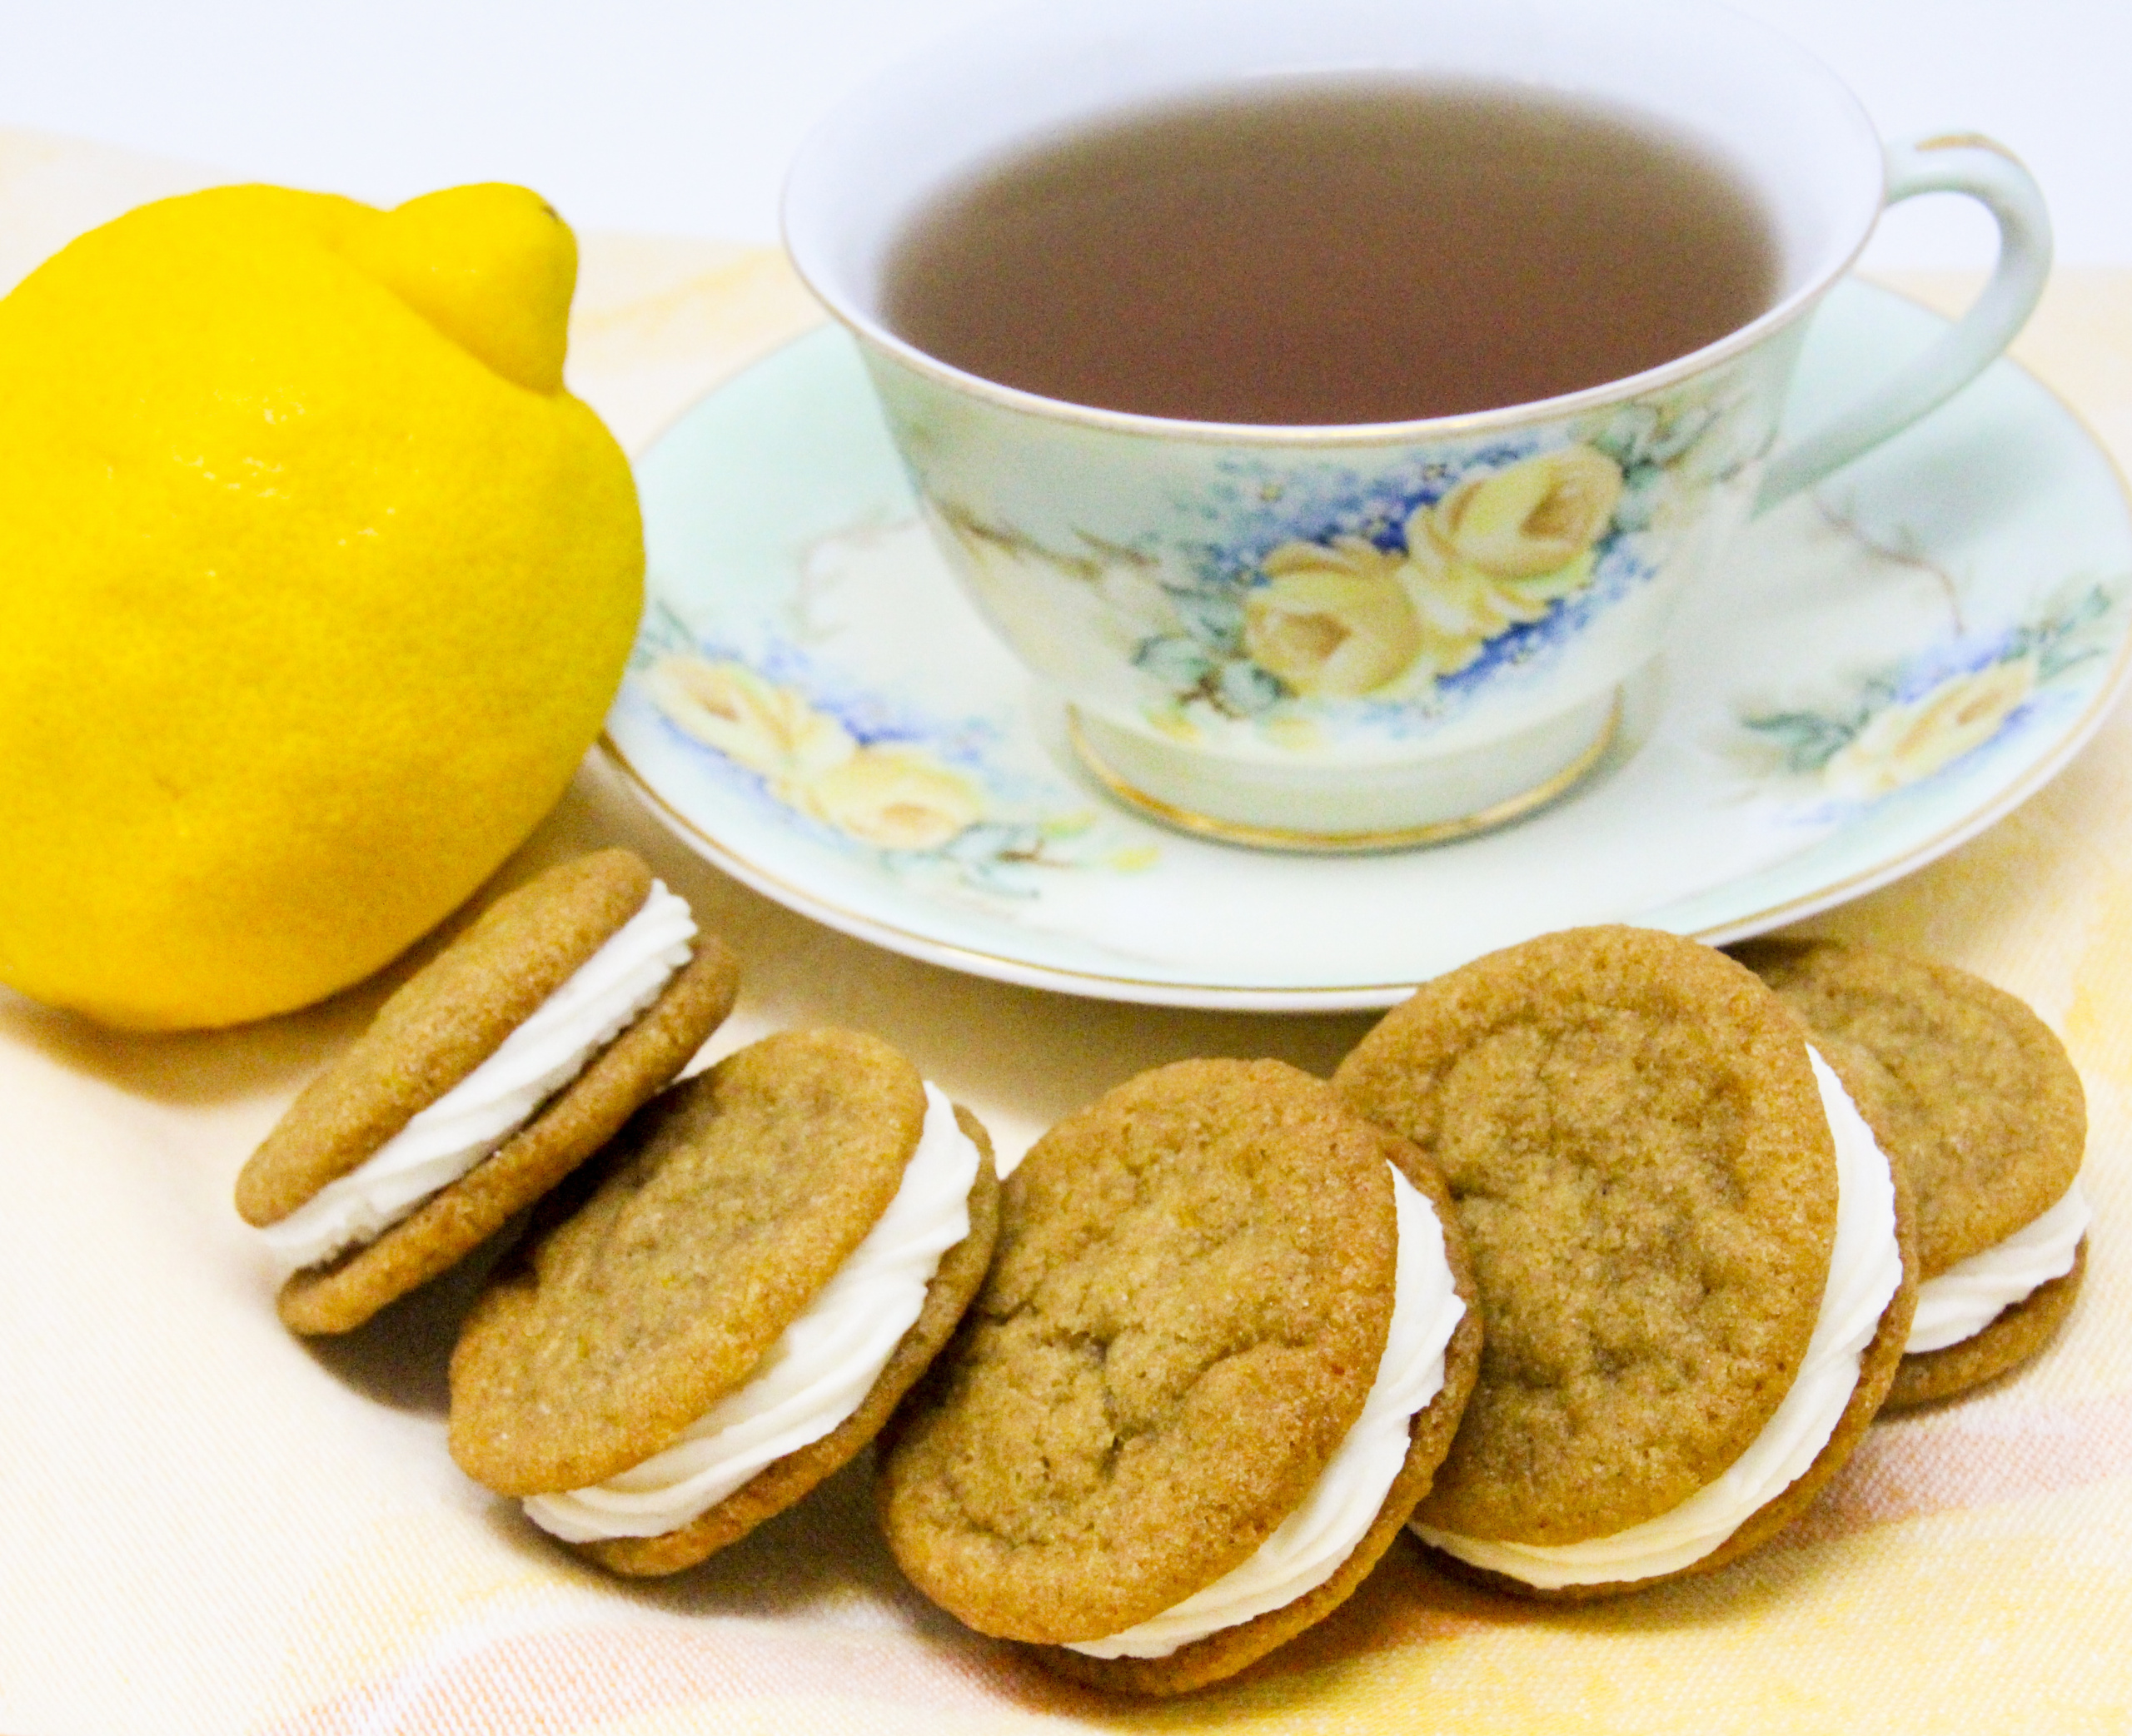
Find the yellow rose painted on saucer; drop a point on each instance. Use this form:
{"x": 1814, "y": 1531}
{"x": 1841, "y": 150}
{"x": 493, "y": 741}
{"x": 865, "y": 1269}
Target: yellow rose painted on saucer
{"x": 892, "y": 797}
{"x": 1911, "y": 741}
{"x": 318, "y": 585}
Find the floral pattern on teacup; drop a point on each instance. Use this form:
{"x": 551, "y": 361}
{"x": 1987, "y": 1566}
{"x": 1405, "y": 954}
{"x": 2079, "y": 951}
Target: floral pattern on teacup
{"x": 1318, "y": 598}
{"x": 1535, "y": 519}
{"x": 1382, "y": 613}
{"x": 918, "y": 809}
{"x": 1906, "y": 721}
{"x": 1345, "y": 618}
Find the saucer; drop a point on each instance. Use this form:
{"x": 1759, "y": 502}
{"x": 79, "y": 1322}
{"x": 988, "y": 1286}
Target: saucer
{"x": 1880, "y": 671}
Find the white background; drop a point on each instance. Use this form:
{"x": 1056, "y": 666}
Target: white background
{"x": 677, "y": 116}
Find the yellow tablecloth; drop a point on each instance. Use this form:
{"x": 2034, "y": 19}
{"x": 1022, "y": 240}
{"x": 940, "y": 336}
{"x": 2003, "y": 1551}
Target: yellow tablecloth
{"x": 207, "y": 1526}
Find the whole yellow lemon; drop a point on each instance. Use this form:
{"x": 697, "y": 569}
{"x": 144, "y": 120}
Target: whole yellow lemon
{"x": 314, "y": 585}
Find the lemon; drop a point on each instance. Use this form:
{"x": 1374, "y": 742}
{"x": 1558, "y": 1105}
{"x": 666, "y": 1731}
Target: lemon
{"x": 314, "y": 585}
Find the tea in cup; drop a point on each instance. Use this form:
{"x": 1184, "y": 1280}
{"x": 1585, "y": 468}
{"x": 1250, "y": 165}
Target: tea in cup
{"x": 1331, "y": 406}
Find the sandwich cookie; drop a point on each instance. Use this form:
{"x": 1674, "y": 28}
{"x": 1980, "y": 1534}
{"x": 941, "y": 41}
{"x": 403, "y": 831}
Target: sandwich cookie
{"x": 504, "y": 1062}
{"x": 1975, "y": 1097}
{"x": 763, "y": 1263}
{"x": 1689, "y": 1251}
{"x": 1224, "y": 1346}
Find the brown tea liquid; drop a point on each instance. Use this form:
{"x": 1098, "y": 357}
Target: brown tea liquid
{"x": 1361, "y": 249}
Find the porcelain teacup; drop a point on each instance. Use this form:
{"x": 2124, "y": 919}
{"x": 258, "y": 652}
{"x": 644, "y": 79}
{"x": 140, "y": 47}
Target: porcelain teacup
{"x": 1364, "y": 636}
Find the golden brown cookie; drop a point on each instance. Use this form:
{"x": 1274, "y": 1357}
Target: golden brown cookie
{"x": 434, "y": 1033}
{"x": 1183, "y": 1319}
{"x": 713, "y": 1223}
{"x": 777, "y": 1486}
{"x": 1644, "y": 1171}
{"x": 1974, "y": 1095}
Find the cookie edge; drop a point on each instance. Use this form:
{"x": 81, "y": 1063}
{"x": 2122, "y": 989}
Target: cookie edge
{"x": 2018, "y": 1332}
{"x": 574, "y": 1125}
{"x": 433, "y": 1030}
{"x": 1228, "y": 1650}
{"x": 1876, "y": 1373}
{"x": 780, "y": 1484}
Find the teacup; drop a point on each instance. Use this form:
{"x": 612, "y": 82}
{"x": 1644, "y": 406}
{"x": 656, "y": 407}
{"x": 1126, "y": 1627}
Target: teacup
{"x": 1368, "y": 635}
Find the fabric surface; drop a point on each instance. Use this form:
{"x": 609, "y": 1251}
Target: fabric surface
{"x": 212, "y": 1527}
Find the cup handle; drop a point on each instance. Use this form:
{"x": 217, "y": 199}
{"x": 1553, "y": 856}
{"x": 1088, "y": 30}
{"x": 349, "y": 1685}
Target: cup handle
{"x": 1986, "y": 171}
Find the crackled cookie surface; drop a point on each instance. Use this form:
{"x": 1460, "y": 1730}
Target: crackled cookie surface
{"x": 719, "y": 1214}
{"x": 442, "y": 1024}
{"x": 346, "y": 1291}
{"x": 781, "y": 1483}
{"x": 1961, "y": 1082}
{"x": 1631, "y": 1129}
{"x": 1229, "y": 1647}
{"x": 1184, "y": 1315}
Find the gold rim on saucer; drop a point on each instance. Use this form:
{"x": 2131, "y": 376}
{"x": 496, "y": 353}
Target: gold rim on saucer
{"x": 1336, "y": 843}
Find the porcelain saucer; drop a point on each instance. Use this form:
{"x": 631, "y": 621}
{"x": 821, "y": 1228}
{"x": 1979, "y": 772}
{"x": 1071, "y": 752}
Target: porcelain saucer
{"x": 1885, "y": 669}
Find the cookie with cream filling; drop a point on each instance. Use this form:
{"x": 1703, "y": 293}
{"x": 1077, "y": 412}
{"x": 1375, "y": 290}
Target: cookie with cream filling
{"x": 1224, "y": 1343}
{"x": 1692, "y": 1256}
{"x": 505, "y": 1062}
{"x": 757, "y": 1268}
{"x": 1976, "y": 1098}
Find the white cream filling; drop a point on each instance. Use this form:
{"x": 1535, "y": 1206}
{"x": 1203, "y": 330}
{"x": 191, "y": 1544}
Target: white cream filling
{"x": 1967, "y": 1297}
{"x": 1864, "y": 1272}
{"x": 443, "y": 1141}
{"x": 1307, "y": 1547}
{"x": 817, "y": 1373}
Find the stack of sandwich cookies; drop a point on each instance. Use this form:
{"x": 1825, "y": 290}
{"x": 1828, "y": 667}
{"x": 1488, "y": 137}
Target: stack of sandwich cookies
{"x": 761, "y": 1266}
{"x": 1974, "y": 1096}
{"x": 1692, "y": 1256}
{"x": 508, "y": 1059}
{"x": 1224, "y": 1346}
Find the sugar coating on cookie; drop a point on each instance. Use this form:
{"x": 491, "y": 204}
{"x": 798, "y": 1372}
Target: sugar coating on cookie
{"x": 1316, "y": 1557}
{"x": 784, "y": 1482}
{"x": 1963, "y": 1084}
{"x": 720, "y": 1213}
{"x": 552, "y": 1047}
{"x": 819, "y": 1370}
{"x": 1187, "y": 1313}
{"x": 1866, "y": 1274}
{"x": 1310, "y": 1545}
{"x": 1633, "y": 1134}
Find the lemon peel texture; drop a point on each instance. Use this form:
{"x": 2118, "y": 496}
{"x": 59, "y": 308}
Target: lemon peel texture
{"x": 314, "y": 585}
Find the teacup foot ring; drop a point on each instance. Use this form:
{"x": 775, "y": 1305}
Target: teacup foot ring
{"x": 1084, "y": 732}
